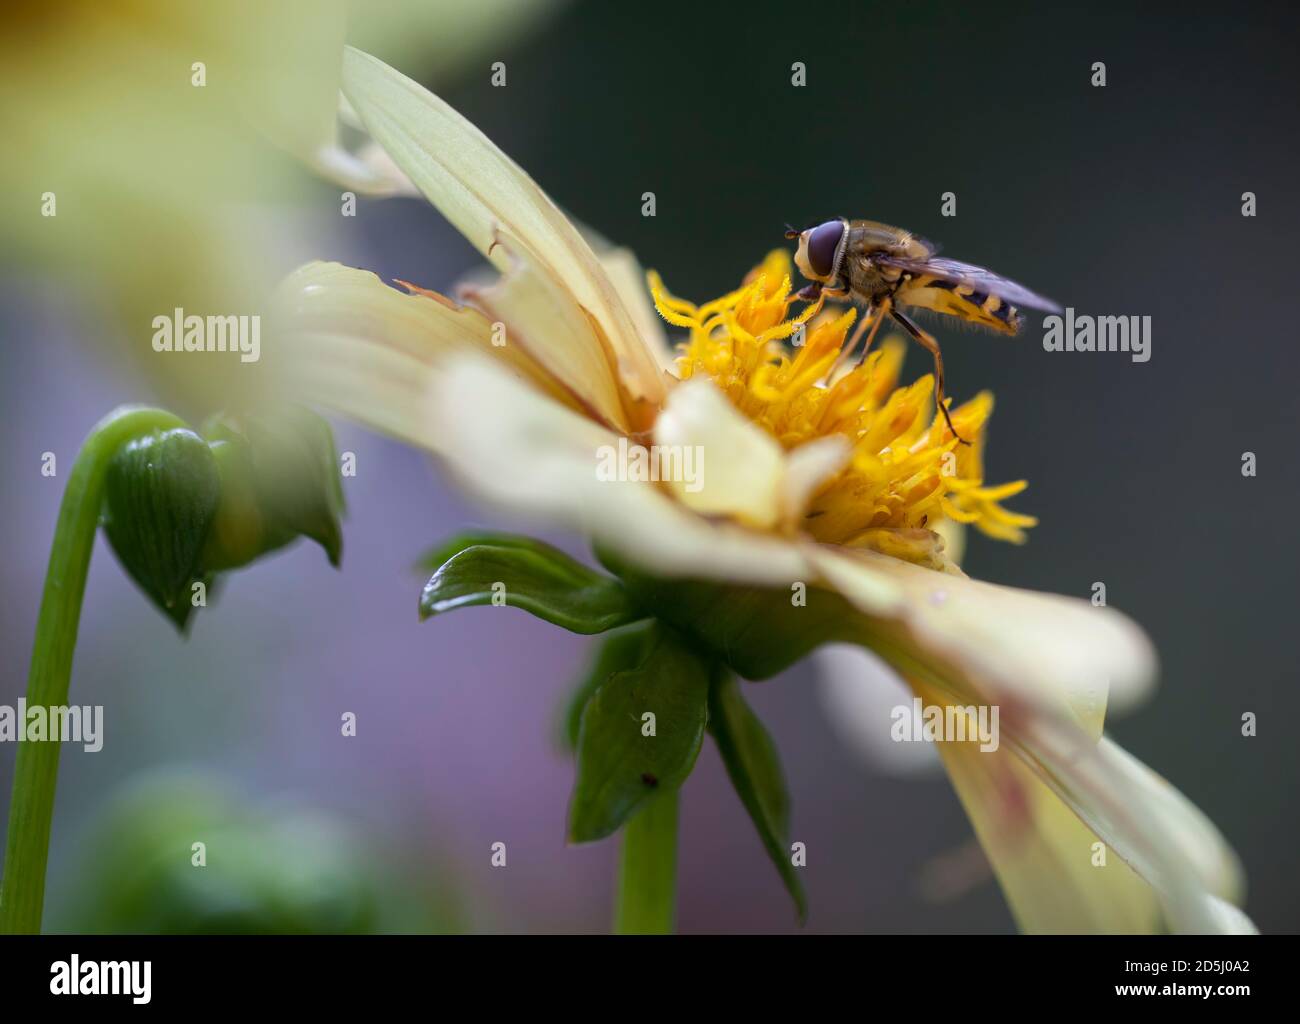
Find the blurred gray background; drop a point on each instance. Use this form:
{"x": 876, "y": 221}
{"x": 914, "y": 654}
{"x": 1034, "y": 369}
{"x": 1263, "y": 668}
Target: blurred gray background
{"x": 1119, "y": 200}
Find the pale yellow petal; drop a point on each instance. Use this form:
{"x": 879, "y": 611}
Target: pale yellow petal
{"x": 1140, "y": 817}
{"x": 1015, "y": 647}
{"x": 1046, "y": 662}
{"x": 742, "y": 465}
{"x": 543, "y": 319}
{"x": 486, "y": 195}
{"x": 628, "y": 277}
{"x": 522, "y": 451}
{"x": 1055, "y": 873}
{"x": 327, "y": 316}
{"x": 954, "y": 538}
{"x": 368, "y": 171}
{"x": 806, "y": 469}
{"x": 1218, "y": 917}
{"x": 1082, "y": 836}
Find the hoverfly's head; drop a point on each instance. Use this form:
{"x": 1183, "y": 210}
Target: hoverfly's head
{"x": 821, "y": 249}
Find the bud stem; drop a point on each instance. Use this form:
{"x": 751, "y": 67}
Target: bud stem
{"x": 31, "y": 808}
{"x": 647, "y": 875}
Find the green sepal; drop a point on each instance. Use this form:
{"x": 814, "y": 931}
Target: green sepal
{"x": 525, "y": 573}
{"x": 283, "y": 480}
{"x": 618, "y": 766}
{"x": 617, "y": 652}
{"x": 440, "y": 553}
{"x": 242, "y": 531}
{"x": 755, "y": 769}
{"x": 161, "y": 493}
{"x": 757, "y": 631}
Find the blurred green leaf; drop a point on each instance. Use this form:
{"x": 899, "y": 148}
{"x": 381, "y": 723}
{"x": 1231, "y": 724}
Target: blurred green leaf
{"x": 161, "y": 493}
{"x": 526, "y": 574}
{"x": 618, "y": 765}
{"x": 755, "y": 769}
{"x": 274, "y": 869}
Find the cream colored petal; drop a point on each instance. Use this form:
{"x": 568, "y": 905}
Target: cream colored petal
{"x": 1044, "y": 801}
{"x": 806, "y": 469}
{"x": 383, "y": 389}
{"x": 1180, "y": 821}
{"x": 1045, "y": 661}
{"x": 524, "y": 452}
{"x": 327, "y": 316}
{"x": 1051, "y": 867}
{"x": 485, "y": 194}
{"x": 628, "y": 277}
{"x": 369, "y": 171}
{"x": 954, "y": 539}
{"x": 425, "y": 371}
{"x": 1017, "y": 648}
{"x": 338, "y": 299}
{"x": 743, "y": 467}
{"x": 1143, "y": 819}
{"x": 1082, "y": 836}
{"x": 1219, "y": 917}
{"x": 555, "y": 331}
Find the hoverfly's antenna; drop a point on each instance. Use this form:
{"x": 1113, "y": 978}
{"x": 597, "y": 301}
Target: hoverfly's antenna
{"x": 790, "y": 231}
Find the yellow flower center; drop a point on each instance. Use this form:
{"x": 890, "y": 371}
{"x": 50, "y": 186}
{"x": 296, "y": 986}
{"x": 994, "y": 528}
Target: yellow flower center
{"x": 907, "y": 470}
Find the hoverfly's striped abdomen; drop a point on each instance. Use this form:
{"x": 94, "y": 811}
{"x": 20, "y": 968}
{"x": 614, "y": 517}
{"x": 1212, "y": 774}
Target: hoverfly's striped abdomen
{"x": 960, "y": 300}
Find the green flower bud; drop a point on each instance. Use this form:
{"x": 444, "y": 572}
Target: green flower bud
{"x": 161, "y": 495}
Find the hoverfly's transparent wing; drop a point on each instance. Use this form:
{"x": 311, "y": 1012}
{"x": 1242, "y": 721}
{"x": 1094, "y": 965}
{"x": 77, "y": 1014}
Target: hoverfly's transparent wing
{"x": 954, "y": 272}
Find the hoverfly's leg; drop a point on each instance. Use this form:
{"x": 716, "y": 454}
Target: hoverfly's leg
{"x": 863, "y": 320}
{"x": 930, "y": 345}
{"x": 877, "y": 320}
{"x": 846, "y": 352}
{"x": 873, "y": 316}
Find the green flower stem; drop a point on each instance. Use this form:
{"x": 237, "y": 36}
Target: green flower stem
{"x": 647, "y": 876}
{"x": 31, "y": 808}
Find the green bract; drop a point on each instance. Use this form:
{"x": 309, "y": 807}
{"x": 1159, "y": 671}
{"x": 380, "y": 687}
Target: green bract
{"x": 641, "y": 729}
{"x": 280, "y": 474}
{"x": 748, "y": 627}
{"x": 160, "y": 498}
{"x": 498, "y": 569}
{"x": 755, "y": 770}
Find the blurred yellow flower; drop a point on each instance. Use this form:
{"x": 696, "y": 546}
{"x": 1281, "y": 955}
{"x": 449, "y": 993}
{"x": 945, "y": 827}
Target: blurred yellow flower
{"x": 147, "y": 142}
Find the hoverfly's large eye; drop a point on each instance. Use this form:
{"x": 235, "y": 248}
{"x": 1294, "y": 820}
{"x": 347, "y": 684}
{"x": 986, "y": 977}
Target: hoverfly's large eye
{"x": 823, "y": 241}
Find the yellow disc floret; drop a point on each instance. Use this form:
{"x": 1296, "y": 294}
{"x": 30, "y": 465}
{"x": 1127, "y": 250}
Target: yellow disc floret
{"x": 790, "y": 375}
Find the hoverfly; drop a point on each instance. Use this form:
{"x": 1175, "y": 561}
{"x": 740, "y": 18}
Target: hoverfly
{"x": 883, "y": 268}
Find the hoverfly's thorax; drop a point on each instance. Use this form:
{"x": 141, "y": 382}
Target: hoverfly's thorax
{"x": 867, "y": 237}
